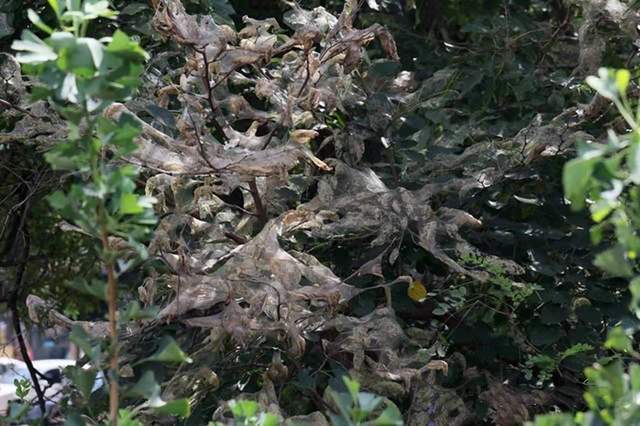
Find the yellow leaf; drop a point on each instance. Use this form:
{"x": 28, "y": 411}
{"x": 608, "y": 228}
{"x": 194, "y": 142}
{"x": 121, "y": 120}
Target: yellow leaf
{"x": 417, "y": 291}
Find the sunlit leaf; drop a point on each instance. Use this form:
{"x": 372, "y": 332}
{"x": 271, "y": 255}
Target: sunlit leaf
{"x": 98, "y": 8}
{"x": 178, "y": 408}
{"x": 38, "y": 22}
{"x": 575, "y": 179}
{"x": 129, "y": 204}
{"x": 417, "y": 291}
{"x": 243, "y": 408}
{"x": 55, "y": 6}
{"x": 32, "y": 50}
{"x": 633, "y": 158}
{"x": 618, "y": 340}
{"x": 614, "y": 262}
{"x": 122, "y": 45}
{"x": 604, "y": 84}
{"x": 69, "y": 89}
{"x": 622, "y": 80}
{"x": 95, "y": 47}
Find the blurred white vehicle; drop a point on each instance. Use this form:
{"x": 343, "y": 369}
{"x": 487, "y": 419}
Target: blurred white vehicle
{"x": 12, "y": 369}
{"x": 52, "y": 368}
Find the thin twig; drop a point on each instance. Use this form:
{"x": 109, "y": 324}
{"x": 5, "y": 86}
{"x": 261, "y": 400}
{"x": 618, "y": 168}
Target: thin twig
{"x": 203, "y": 152}
{"x": 24, "y": 247}
{"x": 270, "y": 136}
{"x": 212, "y": 104}
{"x": 33, "y": 373}
{"x": 260, "y": 210}
{"x": 307, "y": 77}
{"x": 8, "y": 104}
{"x": 235, "y": 237}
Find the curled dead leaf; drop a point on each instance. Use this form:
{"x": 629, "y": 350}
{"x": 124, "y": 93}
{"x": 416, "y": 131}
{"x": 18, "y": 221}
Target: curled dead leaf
{"x": 302, "y": 136}
{"x": 437, "y": 365}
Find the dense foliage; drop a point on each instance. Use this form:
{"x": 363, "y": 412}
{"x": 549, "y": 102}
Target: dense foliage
{"x": 353, "y": 212}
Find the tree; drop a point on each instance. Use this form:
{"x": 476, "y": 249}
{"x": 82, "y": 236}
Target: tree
{"x": 333, "y": 197}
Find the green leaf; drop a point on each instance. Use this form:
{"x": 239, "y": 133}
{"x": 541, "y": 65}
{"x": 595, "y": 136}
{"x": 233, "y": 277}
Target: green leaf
{"x": 62, "y": 40}
{"x": 95, "y": 288}
{"x": 72, "y": 15}
{"x": 120, "y": 134}
{"x": 541, "y": 335}
{"x": 391, "y": 416}
{"x": 73, "y": 5}
{"x": 604, "y": 84}
{"x": 80, "y": 337}
{"x": 618, "y": 340}
{"x": 352, "y": 386}
{"x": 343, "y": 401}
{"x": 58, "y": 159}
{"x": 83, "y": 379}
{"x": 268, "y": 419}
{"x": 57, "y": 200}
{"x": 121, "y": 45}
{"x": 622, "y": 80}
{"x": 74, "y": 419}
{"x": 368, "y": 402}
{"x": 134, "y": 8}
{"x": 129, "y": 204}
{"x": 576, "y": 349}
{"x": 95, "y": 48}
{"x": 601, "y": 209}
{"x": 55, "y": 6}
{"x": 633, "y": 158}
{"x": 597, "y": 233}
{"x": 135, "y": 313}
{"x": 127, "y": 418}
{"x": 147, "y": 387}
{"x": 543, "y": 362}
{"x": 634, "y": 375}
{"x": 98, "y": 9}
{"x": 575, "y": 180}
{"x": 32, "y": 49}
{"x": 178, "y": 408}
{"x": 222, "y": 10}
{"x": 385, "y": 68}
{"x": 634, "y": 288}
{"x": 614, "y": 262}
{"x": 169, "y": 352}
{"x": 561, "y": 419}
{"x": 69, "y": 90}
{"x": 38, "y": 22}
{"x": 553, "y": 314}
{"x": 243, "y": 409}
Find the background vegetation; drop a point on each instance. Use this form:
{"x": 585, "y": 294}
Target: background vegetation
{"x": 398, "y": 214}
